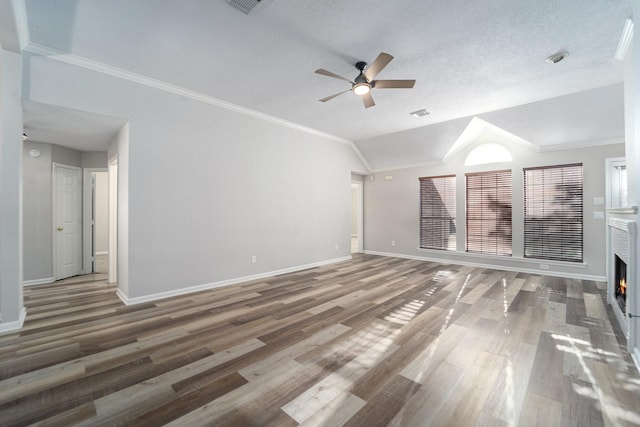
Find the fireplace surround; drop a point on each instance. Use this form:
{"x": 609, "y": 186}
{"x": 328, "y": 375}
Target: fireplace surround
{"x": 621, "y": 289}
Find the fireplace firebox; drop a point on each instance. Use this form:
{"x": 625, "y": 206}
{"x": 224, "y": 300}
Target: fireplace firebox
{"x": 620, "y": 280}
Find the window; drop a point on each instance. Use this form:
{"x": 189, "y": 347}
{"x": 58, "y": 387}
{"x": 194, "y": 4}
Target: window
{"x": 489, "y": 213}
{"x": 438, "y": 212}
{"x": 553, "y": 213}
{"x": 488, "y": 153}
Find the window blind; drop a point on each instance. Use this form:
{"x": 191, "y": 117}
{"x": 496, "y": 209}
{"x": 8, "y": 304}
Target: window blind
{"x": 553, "y": 219}
{"x": 489, "y": 213}
{"x": 438, "y": 212}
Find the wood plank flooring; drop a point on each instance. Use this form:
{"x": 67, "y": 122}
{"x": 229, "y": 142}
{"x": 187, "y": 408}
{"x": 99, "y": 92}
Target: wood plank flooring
{"x": 371, "y": 342}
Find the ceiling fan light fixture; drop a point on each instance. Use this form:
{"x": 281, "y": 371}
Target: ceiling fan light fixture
{"x": 361, "y": 88}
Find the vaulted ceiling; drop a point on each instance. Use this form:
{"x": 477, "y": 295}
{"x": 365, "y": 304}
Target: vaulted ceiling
{"x": 481, "y": 58}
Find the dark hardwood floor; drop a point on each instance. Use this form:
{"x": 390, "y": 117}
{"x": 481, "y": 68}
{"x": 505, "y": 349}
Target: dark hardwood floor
{"x": 371, "y": 342}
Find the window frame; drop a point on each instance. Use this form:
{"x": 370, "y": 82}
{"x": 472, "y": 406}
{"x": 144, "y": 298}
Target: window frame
{"x": 448, "y": 222}
{"x": 479, "y": 218}
{"x": 555, "y": 232}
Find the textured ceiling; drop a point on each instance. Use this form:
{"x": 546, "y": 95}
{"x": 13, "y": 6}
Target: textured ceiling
{"x": 468, "y": 58}
{"x": 75, "y": 129}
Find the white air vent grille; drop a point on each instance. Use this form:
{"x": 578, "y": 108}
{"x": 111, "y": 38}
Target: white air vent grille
{"x": 244, "y": 5}
{"x": 420, "y": 113}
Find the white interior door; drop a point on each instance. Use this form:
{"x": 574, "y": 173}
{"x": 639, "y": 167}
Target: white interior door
{"x": 67, "y": 221}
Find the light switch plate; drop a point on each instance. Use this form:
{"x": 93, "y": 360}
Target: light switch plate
{"x": 598, "y": 201}
{"x": 598, "y": 215}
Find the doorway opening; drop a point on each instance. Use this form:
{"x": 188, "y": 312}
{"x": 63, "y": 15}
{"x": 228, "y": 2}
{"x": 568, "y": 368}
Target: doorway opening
{"x": 95, "y": 220}
{"x": 357, "y": 226}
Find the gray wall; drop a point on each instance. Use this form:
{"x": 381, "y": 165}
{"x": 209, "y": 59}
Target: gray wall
{"x": 392, "y": 208}
{"x": 37, "y": 214}
{"x": 209, "y": 187}
{"x": 11, "y": 306}
{"x": 37, "y": 203}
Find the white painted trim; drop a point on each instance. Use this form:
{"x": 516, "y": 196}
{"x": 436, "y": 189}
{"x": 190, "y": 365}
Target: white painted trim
{"x": 22, "y": 24}
{"x": 360, "y": 214}
{"x": 411, "y": 166}
{"x": 635, "y": 355}
{"x": 87, "y": 210}
{"x": 33, "y": 282}
{"x": 154, "y": 297}
{"x": 13, "y": 326}
{"x": 89, "y": 64}
{"x": 113, "y": 220}
{"x": 361, "y": 157}
{"x": 541, "y": 149}
{"x": 581, "y": 144}
{"x": 625, "y": 40}
{"x": 493, "y": 267}
{"x": 502, "y": 258}
{"x": 632, "y": 210}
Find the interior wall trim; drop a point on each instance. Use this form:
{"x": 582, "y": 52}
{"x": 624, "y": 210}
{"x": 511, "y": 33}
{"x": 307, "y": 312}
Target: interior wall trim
{"x": 13, "y": 326}
{"x": 582, "y": 144}
{"x": 494, "y": 267}
{"x": 543, "y": 149}
{"x": 161, "y": 295}
{"x": 33, "y": 282}
{"x": 68, "y": 58}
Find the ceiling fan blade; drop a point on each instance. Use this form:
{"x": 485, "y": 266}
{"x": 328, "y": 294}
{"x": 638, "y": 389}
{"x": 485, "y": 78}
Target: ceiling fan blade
{"x": 330, "y": 74}
{"x": 333, "y": 96}
{"x": 393, "y": 84}
{"x": 377, "y": 65}
{"x": 367, "y": 100}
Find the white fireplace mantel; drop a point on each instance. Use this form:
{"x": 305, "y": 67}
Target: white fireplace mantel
{"x": 622, "y": 242}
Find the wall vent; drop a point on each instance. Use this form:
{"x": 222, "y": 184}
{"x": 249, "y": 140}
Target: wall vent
{"x": 244, "y": 5}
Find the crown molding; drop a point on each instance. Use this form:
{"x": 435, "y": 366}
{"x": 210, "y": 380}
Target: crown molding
{"x": 582, "y": 144}
{"x": 361, "y": 157}
{"x": 79, "y": 61}
{"x": 410, "y": 166}
{"x": 625, "y": 40}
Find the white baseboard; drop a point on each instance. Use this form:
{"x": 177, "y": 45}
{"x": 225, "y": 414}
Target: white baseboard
{"x": 44, "y": 281}
{"x": 154, "y": 297}
{"x": 635, "y": 355}
{"x": 494, "y": 267}
{"x": 13, "y": 326}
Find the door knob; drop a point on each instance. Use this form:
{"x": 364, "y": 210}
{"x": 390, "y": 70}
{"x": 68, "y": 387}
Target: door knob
{"x": 60, "y": 228}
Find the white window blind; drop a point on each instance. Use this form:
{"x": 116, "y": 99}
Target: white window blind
{"x": 489, "y": 213}
{"x": 553, "y": 224}
{"x": 438, "y": 212}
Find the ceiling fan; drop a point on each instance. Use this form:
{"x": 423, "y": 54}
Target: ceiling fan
{"x": 363, "y": 84}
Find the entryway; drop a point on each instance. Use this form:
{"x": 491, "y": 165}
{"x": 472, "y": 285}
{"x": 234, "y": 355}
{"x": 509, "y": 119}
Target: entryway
{"x": 357, "y": 229}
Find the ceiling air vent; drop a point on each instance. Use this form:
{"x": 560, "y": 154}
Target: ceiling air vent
{"x": 244, "y": 5}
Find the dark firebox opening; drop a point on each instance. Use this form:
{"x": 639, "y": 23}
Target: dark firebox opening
{"x": 621, "y": 283}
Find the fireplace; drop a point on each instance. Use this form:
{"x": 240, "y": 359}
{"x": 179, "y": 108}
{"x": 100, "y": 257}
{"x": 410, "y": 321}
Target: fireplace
{"x": 620, "y": 281}
{"x": 621, "y": 290}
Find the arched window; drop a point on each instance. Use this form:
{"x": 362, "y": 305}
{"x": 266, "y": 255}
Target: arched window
{"x": 488, "y": 153}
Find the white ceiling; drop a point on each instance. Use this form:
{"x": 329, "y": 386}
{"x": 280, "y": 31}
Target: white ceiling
{"x": 469, "y": 58}
{"x": 75, "y": 129}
